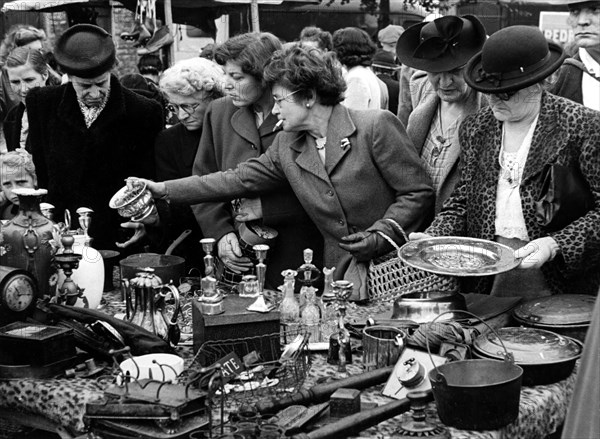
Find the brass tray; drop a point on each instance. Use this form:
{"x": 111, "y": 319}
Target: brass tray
{"x": 459, "y": 256}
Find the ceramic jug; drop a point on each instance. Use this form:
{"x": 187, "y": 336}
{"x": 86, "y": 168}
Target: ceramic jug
{"x": 145, "y": 305}
{"x": 89, "y": 275}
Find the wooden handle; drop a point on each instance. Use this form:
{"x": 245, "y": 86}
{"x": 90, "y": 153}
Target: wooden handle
{"x": 321, "y": 392}
{"x": 352, "y": 424}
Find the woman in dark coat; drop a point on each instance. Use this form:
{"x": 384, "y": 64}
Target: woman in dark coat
{"x": 237, "y": 128}
{"x": 352, "y": 170}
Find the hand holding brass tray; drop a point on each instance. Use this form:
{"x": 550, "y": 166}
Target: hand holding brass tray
{"x": 459, "y": 256}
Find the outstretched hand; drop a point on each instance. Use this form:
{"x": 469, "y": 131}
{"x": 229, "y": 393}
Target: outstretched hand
{"x": 537, "y": 252}
{"x": 158, "y": 190}
{"x": 139, "y": 234}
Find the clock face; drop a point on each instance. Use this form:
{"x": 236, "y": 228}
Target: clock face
{"x": 19, "y": 293}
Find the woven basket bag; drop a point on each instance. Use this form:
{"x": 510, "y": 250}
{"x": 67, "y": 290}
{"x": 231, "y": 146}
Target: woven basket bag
{"x": 389, "y": 277}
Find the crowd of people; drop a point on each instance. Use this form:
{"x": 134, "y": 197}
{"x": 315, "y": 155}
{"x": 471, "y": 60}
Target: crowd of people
{"x": 330, "y": 142}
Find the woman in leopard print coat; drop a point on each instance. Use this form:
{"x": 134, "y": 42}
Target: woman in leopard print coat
{"x": 565, "y": 133}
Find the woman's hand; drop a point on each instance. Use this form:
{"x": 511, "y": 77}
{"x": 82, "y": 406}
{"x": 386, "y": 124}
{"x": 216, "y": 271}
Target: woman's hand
{"x": 363, "y": 246}
{"x": 249, "y": 209}
{"x": 139, "y": 234}
{"x": 231, "y": 254}
{"x": 417, "y": 236}
{"x": 537, "y": 252}
{"x": 158, "y": 190}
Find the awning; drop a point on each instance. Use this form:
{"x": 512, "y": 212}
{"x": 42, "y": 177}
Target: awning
{"x": 39, "y": 5}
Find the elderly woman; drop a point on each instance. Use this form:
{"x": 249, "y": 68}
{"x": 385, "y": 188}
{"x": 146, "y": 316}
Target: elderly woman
{"x": 26, "y": 69}
{"x": 355, "y": 50}
{"x": 442, "y": 99}
{"x": 505, "y": 149}
{"x": 239, "y": 127}
{"x": 351, "y": 170}
{"x": 188, "y": 87}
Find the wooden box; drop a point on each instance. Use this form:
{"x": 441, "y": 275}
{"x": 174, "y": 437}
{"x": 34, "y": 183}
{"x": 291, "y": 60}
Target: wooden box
{"x": 35, "y": 344}
{"x": 344, "y": 402}
{"x": 238, "y": 323}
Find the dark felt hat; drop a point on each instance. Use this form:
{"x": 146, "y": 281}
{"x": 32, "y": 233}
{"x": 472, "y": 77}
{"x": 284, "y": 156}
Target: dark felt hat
{"x": 85, "y": 50}
{"x": 384, "y": 60}
{"x": 441, "y": 45}
{"x": 512, "y": 59}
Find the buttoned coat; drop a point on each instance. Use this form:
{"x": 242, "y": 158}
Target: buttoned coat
{"x": 566, "y": 133}
{"x": 371, "y": 172}
{"x": 84, "y": 167}
{"x": 230, "y": 137}
{"x": 426, "y": 102}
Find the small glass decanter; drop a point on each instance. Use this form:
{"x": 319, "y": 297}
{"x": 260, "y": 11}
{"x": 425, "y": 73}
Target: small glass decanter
{"x": 309, "y": 273}
{"x": 289, "y": 307}
{"x": 311, "y": 316}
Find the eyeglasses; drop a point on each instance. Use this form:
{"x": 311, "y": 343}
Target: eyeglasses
{"x": 187, "y": 108}
{"x": 279, "y": 100}
{"x": 506, "y": 95}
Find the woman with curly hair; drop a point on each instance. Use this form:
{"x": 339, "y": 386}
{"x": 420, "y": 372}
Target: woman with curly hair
{"x": 355, "y": 50}
{"x": 188, "y": 87}
{"x": 352, "y": 170}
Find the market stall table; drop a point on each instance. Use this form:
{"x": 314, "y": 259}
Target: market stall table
{"x": 62, "y": 401}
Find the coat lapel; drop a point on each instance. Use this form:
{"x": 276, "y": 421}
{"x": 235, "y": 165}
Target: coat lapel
{"x": 545, "y": 147}
{"x": 308, "y": 157}
{"x": 244, "y": 123}
{"x": 339, "y": 130}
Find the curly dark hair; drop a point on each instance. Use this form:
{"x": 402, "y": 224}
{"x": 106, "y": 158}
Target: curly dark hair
{"x": 251, "y": 51}
{"x": 320, "y": 36}
{"x": 354, "y": 47}
{"x": 305, "y": 69}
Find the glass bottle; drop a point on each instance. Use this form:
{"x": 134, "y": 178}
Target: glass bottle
{"x": 308, "y": 274}
{"x": 289, "y": 307}
{"x": 311, "y": 316}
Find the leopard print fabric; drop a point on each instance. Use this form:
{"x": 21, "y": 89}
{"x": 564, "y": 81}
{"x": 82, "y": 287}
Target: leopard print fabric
{"x": 566, "y": 133}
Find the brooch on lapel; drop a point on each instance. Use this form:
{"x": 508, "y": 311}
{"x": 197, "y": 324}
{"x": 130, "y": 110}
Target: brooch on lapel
{"x": 344, "y": 143}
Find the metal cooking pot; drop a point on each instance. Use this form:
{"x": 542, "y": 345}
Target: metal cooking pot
{"x": 566, "y": 314}
{"x": 425, "y": 306}
{"x": 546, "y": 357}
{"x": 167, "y": 267}
{"x": 477, "y": 394}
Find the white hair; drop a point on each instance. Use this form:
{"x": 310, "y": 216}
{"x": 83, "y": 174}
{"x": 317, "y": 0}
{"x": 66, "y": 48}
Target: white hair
{"x": 191, "y": 76}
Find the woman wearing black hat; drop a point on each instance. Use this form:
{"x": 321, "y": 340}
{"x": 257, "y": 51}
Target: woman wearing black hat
{"x": 505, "y": 149}
{"x": 442, "y": 99}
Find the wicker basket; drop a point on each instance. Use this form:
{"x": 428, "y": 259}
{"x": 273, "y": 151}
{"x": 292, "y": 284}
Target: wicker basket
{"x": 389, "y": 277}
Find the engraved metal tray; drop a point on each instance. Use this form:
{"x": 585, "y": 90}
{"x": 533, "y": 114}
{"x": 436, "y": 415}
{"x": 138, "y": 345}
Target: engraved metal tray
{"x": 459, "y": 256}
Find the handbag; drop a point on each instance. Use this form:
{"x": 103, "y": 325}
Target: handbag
{"x": 389, "y": 277}
{"x": 564, "y": 197}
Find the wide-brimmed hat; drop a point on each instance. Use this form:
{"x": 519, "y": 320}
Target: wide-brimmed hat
{"x": 442, "y": 44}
{"x": 513, "y": 58}
{"x": 85, "y": 50}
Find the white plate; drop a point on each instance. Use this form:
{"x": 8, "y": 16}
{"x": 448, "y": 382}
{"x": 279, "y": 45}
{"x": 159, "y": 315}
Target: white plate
{"x": 315, "y": 347}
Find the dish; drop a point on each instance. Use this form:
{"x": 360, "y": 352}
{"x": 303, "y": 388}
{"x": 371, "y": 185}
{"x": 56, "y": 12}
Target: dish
{"x": 459, "y": 256}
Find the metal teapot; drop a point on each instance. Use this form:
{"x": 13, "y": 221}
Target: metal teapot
{"x": 147, "y": 306}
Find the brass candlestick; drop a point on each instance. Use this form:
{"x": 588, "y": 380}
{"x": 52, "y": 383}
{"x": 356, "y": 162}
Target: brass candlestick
{"x": 208, "y": 245}
{"x": 259, "y": 304}
{"x": 68, "y": 261}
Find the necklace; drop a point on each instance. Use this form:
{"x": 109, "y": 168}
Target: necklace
{"x": 512, "y": 163}
{"x": 321, "y": 143}
{"x": 444, "y": 141}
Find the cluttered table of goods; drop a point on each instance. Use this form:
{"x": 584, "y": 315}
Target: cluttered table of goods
{"x": 255, "y": 375}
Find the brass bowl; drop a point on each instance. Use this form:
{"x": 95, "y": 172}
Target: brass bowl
{"x": 135, "y": 204}
{"x": 426, "y": 306}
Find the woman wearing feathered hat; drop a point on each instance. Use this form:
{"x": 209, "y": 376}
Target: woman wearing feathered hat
{"x": 442, "y": 99}
{"x": 505, "y": 149}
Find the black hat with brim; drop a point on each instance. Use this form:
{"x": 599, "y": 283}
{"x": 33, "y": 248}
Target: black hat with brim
{"x": 512, "y": 59}
{"x": 85, "y": 50}
{"x": 441, "y": 45}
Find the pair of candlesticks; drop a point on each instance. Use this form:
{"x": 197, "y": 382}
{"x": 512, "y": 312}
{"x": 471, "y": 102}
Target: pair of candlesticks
{"x": 211, "y": 300}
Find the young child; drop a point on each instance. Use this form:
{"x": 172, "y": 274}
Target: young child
{"x": 16, "y": 171}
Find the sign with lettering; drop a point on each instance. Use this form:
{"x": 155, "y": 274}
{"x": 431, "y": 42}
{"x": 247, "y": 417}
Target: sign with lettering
{"x": 555, "y": 28}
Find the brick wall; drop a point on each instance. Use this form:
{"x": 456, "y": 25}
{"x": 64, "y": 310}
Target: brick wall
{"x": 122, "y": 20}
